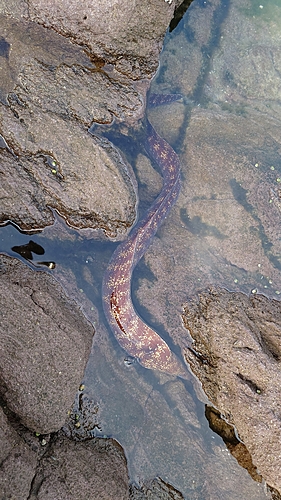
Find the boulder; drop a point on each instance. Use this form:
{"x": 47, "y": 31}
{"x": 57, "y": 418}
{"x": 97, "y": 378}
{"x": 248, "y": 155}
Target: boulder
{"x": 236, "y": 355}
{"x": 45, "y": 345}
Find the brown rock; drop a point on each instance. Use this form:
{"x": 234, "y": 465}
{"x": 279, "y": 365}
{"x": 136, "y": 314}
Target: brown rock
{"x": 45, "y": 344}
{"x": 156, "y": 489}
{"x": 236, "y": 355}
{"x": 73, "y": 184}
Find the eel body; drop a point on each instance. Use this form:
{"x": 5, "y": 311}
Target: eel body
{"x": 135, "y": 336}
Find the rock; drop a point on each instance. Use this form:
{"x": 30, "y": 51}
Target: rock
{"x": 71, "y": 470}
{"x": 161, "y": 426}
{"x": 243, "y": 74}
{"x": 236, "y": 355}
{"x": 36, "y": 468}
{"x": 127, "y": 34}
{"x": 45, "y": 344}
{"x": 183, "y": 61}
{"x": 155, "y": 489}
{"x": 72, "y": 184}
{"x": 18, "y": 462}
{"x": 54, "y": 85}
{"x": 50, "y": 159}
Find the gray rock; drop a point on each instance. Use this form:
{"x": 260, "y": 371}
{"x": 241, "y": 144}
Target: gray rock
{"x": 129, "y": 34}
{"x": 45, "y": 344}
{"x": 71, "y": 470}
{"x": 37, "y": 467}
{"x": 18, "y": 462}
{"x": 93, "y": 66}
{"x": 54, "y": 92}
{"x": 236, "y": 355}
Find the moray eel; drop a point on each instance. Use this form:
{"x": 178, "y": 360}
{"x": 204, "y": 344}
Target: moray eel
{"x": 135, "y": 336}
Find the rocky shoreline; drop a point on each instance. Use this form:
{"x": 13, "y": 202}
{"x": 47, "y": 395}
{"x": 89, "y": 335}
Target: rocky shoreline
{"x": 67, "y": 68}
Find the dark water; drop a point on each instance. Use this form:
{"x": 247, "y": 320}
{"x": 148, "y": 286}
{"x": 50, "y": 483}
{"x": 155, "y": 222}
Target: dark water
{"x": 160, "y": 420}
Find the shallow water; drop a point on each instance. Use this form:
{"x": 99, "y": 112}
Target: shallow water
{"x": 224, "y": 230}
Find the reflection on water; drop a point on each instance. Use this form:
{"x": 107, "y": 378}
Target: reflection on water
{"x": 224, "y": 230}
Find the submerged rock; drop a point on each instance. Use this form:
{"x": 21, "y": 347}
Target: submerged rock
{"x": 156, "y": 489}
{"x": 225, "y": 229}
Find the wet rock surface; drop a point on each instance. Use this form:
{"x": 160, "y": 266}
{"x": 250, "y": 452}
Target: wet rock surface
{"x": 18, "y": 462}
{"x": 228, "y": 433}
{"x": 45, "y": 344}
{"x": 63, "y": 68}
{"x": 126, "y": 33}
{"x": 37, "y": 467}
{"x": 94, "y": 469}
{"x": 51, "y": 93}
{"x": 236, "y": 354}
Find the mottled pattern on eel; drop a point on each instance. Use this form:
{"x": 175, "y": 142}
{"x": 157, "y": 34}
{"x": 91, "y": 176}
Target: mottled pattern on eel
{"x": 135, "y": 336}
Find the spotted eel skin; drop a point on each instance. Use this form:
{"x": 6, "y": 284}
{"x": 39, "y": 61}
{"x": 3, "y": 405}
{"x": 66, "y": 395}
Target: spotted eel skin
{"x": 135, "y": 336}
